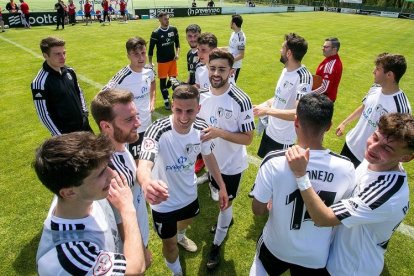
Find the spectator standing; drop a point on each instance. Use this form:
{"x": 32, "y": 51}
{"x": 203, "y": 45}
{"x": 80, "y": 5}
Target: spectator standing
{"x": 122, "y": 10}
{"x": 385, "y": 96}
{"x": 60, "y": 14}
{"x": 72, "y": 12}
{"x": 237, "y": 43}
{"x": 24, "y": 8}
{"x": 165, "y": 37}
{"x": 79, "y": 235}
{"x": 87, "y": 8}
{"x": 330, "y": 69}
{"x": 194, "y": 4}
{"x": 210, "y": 4}
{"x": 57, "y": 96}
{"x": 12, "y": 7}
{"x": 106, "y": 15}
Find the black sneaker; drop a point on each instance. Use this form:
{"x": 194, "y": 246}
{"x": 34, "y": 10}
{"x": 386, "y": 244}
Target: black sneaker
{"x": 214, "y": 227}
{"x": 214, "y": 257}
{"x": 167, "y": 105}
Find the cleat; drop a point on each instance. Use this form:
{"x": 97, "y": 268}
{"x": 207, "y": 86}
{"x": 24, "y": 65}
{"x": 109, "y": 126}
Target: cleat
{"x": 214, "y": 257}
{"x": 187, "y": 244}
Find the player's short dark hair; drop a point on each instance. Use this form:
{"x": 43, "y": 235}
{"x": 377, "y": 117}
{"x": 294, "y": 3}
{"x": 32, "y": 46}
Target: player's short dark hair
{"x": 65, "y": 161}
{"x": 207, "y": 39}
{"x": 162, "y": 14}
{"x": 398, "y": 126}
{"x": 237, "y": 19}
{"x": 103, "y": 103}
{"x": 394, "y": 63}
{"x": 221, "y": 54}
{"x": 193, "y": 28}
{"x": 297, "y": 45}
{"x": 334, "y": 42}
{"x": 49, "y": 42}
{"x": 186, "y": 92}
{"x": 135, "y": 43}
{"x": 314, "y": 112}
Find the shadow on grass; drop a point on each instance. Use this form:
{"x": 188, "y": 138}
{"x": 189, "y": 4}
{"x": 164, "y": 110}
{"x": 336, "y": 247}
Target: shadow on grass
{"x": 25, "y": 263}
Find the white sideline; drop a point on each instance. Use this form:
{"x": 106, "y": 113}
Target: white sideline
{"x": 403, "y": 228}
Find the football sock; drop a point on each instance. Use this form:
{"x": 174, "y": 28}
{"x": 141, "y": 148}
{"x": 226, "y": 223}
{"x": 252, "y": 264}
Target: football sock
{"x": 223, "y": 224}
{"x": 175, "y": 266}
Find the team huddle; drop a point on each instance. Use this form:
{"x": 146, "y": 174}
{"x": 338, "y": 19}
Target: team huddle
{"x": 328, "y": 213}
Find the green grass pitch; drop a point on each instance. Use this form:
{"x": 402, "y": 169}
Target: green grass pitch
{"x": 97, "y": 52}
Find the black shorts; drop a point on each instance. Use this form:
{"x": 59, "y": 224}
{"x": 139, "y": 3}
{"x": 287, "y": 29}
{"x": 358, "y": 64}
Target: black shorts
{"x": 232, "y": 184}
{"x": 122, "y": 13}
{"x": 135, "y": 148}
{"x": 348, "y": 153}
{"x": 88, "y": 15}
{"x": 267, "y": 144}
{"x": 165, "y": 224}
{"x": 275, "y": 266}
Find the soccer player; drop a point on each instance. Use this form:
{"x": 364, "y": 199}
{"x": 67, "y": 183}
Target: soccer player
{"x": 237, "y": 43}
{"x": 57, "y": 96}
{"x": 141, "y": 82}
{"x": 290, "y": 239}
{"x": 192, "y": 32}
{"x": 294, "y": 82}
{"x": 165, "y": 37}
{"x": 169, "y": 150}
{"x": 207, "y": 42}
{"x": 80, "y": 236}
{"x": 330, "y": 69}
{"x": 116, "y": 115}
{"x": 385, "y": 96}
{"x": 366, "y": 221}
{"x": 229, "y": 113}
{"x": 87, "y": 9}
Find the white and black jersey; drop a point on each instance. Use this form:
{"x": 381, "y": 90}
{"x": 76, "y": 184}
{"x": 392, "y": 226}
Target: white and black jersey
{"x": 289, "y": 233}
{"x": 174, "y": 156}
{"x": 192, "y": 62}
{"x": 369, "y": 218}
{"x": 86, "y": 246}
{"x": 237, "y": 43}
{"x": 290, "y": 87}
{"x": 59, "y": 100}
{"x": 139, "y": 83}
{"x": 124, "y": 163}
{"x": 375, "y": 104}
{"x": 232, "y": 111}
{"x": 201, "y": 76}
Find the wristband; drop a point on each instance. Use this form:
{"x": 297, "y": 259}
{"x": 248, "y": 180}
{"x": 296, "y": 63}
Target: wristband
{"x": 303, "y": 182}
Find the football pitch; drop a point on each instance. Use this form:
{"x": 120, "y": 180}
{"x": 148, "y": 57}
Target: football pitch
{"x": 97, "y": 52}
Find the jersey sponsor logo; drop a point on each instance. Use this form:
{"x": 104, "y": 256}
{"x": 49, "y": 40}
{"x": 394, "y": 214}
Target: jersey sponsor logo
{"x": 183, "y": 164}
{"x": 213, "y": 121}
{"x": 148, "y": 144}
{"x": 103, "y": 264}
{"x": 69, "y": 76}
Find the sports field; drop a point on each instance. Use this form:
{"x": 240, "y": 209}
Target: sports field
{"x": 97, "y": 52}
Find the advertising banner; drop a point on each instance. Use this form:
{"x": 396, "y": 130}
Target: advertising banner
{"x": 36, "y": 19}
{"x": 178, "y": 12}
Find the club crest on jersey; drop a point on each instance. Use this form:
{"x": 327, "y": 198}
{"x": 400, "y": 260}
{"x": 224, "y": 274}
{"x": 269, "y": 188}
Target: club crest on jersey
{"x": 192, "y": 150}
{"x": 228, "y": 113}
{"x": 69, "y": 76}
{"x": 103, "y": 264}
{"x": 220, "y": 111}
{"x": 148, "y": 144}
{"x": 170, "y": 34}
{"x": 381, "y": 110}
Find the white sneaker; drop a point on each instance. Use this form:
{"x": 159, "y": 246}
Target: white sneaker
{"x": 202, "y": 179}
{"x": 187, "y": 244}
{"x": 214, "y": 192}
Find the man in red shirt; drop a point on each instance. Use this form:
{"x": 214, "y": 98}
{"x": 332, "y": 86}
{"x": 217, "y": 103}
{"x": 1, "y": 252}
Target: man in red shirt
{"x": 87, "y": 9}
{"x": 122, "y": 10}
{"x": 72, "y": 12}
{"x": 24, "y": 7}
{"x": 330, "y": 69}
{"x": 106, "y": 16}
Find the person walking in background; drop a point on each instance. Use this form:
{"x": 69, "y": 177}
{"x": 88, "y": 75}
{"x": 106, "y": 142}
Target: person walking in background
{"x": 60, "y": 14}
{"x": 122, "y": 10}
{"x": 106, "y": 15}
{"x": 330, "y": 69}
{"x": 385, "y": 96}
{"x": 87, "y": 8}
{"x": 237, "y": 43}
{"x": 57, "y": 96}
{"x": 72, "y": 12}
{"x": 165, "y": 37}
{"x": 24, "y": 8}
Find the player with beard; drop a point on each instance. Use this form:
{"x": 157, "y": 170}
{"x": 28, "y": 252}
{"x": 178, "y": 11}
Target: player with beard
{"x": 116, "y": 115}
{"x": 166, "y": 172}
{"x": 141, "y": 82}
{"x": 229, "y": 113}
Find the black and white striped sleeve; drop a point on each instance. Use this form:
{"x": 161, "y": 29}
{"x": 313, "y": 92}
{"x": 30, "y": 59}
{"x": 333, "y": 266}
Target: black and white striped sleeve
{"x": 150, "y": 143}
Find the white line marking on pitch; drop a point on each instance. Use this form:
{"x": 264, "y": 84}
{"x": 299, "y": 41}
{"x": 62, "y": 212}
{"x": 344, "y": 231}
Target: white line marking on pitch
{"x": 403, "y": 228}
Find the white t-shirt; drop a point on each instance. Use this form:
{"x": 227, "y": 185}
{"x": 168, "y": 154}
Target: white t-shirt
{"x": 124, "y": 163}
{"x": 369, "y": 218}
{"x": 289, "y": 233}
{"x": 237, "y": 43}
{"x": 86, "y": 246}
{"x": 140, "y": 85}
{"x": 376, "y": 104}
{"x": 290, "y": 87}
{"x": 233, "y": 112}
{"x": 174, "y": 156}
